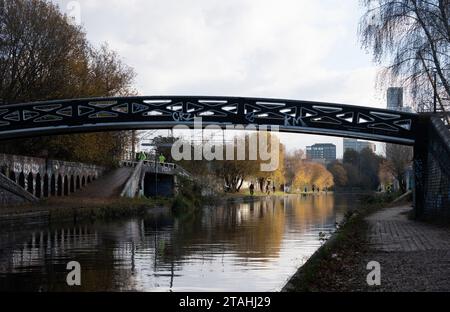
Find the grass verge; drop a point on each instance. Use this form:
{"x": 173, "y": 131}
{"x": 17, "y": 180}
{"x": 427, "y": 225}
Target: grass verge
{"x": 331, "y": 267}
{"x": 78, "y": 209}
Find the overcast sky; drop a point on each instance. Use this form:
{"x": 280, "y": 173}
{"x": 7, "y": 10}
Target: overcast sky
{"x": 295, "y": 49}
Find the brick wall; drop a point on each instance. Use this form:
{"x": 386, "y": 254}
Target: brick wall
{"x": 432, "y": 167}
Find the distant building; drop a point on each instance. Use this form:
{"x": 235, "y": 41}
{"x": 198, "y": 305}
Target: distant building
{"x": 323, "y": 153}
{"x": 395, "y": 100}
{"x": 358, "y": 146}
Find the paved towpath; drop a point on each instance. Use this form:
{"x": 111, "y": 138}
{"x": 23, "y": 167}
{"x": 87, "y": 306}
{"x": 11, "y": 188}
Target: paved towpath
{"x": 414, "y": 256}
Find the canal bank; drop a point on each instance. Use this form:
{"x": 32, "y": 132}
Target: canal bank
{"x": 330, "y": 267}
{"x": 413, "y": 255}
{"x": 80, "y": 209}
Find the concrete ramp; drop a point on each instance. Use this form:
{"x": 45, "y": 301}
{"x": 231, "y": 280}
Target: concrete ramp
{"x": 108, "y": 186}
{"x": 12, "y": 194}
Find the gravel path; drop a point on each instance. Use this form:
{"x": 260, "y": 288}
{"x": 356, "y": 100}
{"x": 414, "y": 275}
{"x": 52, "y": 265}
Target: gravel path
{"x": 413, "y": 256}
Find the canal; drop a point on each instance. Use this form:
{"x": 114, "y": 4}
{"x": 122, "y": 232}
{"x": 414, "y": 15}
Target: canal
{"x": 254, "y": 246}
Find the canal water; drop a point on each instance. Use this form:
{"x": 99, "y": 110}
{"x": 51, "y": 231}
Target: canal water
{"x": 254, "y": 246}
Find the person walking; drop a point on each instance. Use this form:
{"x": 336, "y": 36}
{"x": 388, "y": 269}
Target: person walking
{"x": 252, "y": 189}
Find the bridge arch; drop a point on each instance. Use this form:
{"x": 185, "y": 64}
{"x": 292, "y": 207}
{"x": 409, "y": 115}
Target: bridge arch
{"x": 429, "y": 136}
{"x": 46, "y": 183}
{"x": 53, "y": 186}
{"x": 60, "y": 185}
{"x": 66, "y": 186}
{"x": 22, "y": 180}
{"x": 72, "y": 184}
{"x": 30, "y": 183}
{"x": 38, "y": 186}
{"x": 125, "y": 113}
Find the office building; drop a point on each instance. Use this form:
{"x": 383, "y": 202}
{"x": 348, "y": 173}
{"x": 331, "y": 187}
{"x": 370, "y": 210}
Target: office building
{"x": 323, "y": 153}
{"x": 395, "y": 100}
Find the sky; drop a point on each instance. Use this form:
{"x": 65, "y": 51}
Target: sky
{"x": 290, "y": 49}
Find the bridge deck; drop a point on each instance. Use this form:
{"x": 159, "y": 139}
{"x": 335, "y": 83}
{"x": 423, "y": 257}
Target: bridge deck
{"x": 162, "y": 112}
{"x": 108, "y": 186}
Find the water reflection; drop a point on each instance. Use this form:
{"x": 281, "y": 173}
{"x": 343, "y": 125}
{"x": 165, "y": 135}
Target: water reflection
{"x": 239, "y": 247}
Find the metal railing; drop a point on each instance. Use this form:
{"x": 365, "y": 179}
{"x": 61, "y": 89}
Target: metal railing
{"x": 164, "y": 168}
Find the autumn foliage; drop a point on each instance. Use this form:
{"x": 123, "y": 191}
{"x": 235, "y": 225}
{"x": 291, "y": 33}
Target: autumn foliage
{"x": 43, "y": 56}
{"x": 311, "y": 175}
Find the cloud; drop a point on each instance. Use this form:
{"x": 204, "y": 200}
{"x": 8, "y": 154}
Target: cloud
{"x": 299, "y": 49}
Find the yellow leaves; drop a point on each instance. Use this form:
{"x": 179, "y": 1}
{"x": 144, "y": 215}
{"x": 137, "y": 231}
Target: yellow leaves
{"x": 309, "y": 174}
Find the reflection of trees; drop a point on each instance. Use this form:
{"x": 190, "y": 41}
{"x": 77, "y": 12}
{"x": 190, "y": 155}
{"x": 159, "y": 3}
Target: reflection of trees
{"x": 252, "y": 230}
{"x": 111, "y": 253}
{"x": 310, "y": 210}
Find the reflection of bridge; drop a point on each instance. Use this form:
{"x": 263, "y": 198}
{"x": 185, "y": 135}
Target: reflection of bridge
{"x": 428, "y": 134}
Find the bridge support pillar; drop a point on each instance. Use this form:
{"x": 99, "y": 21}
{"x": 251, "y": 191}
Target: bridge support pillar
{"x": 432, "y": 169}
{"x": 420, "y": 166}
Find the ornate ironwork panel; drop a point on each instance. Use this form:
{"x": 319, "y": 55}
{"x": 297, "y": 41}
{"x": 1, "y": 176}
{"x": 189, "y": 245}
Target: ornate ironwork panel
{"x": 158, "y": 112}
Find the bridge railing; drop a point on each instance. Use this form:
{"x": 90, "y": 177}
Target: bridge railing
{"x": 9, "y": 189}
{"x": 132, "y": 185}
{"x": 149, "y": 163}
{"x": 159, "y": 164}
{"x": 161, "y": 168}
{"x": 165, "y": 112}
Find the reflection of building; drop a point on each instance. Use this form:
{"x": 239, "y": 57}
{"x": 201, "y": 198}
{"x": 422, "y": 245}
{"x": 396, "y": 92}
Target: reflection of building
{"x": 358, "y": 146}
{"x": 324, "y": 153}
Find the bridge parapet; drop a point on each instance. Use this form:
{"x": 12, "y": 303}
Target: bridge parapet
{"x": 131, "y": 187}
{"x": 161, "y": 112}
{"x": 11, "y": 192}
{"x": 46, "y": 178}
